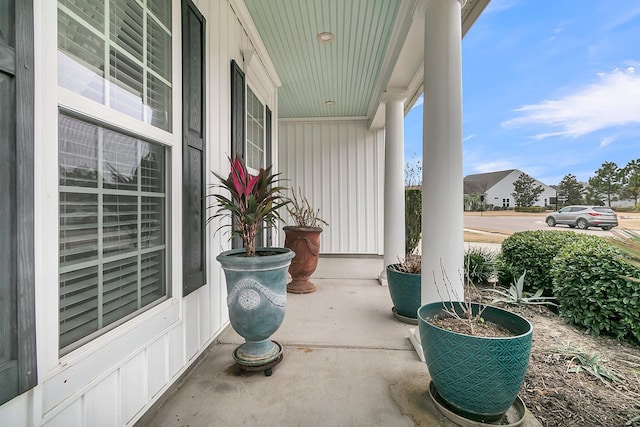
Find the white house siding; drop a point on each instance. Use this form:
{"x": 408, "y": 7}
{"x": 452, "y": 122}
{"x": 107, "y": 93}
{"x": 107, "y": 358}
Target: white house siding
{"x": 338, "y": 165}
{"x": 504, "y": 188}
{"x": 116, "y": 377}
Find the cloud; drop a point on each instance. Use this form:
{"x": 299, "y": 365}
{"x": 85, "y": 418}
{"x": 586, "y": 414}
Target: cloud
{"x": 624, "y": 17}
{"x": 606, "y": 141}
{"x": 496, "y": 165}
{"x": 465, "y": 139}
{"x": 613, "y": 101}
{"x": 500, "y": 5}
{"x": 419, "y": 102}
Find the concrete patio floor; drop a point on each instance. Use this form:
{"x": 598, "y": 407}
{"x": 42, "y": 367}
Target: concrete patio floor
{"x": 347, "y": 362}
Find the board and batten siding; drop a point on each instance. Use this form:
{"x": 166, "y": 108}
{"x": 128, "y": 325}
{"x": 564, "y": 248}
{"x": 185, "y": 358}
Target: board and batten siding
{"x": 338, "y": 166}
{"x": 115, "y": 378}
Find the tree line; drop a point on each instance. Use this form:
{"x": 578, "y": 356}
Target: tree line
{"x": 610, "y": 182}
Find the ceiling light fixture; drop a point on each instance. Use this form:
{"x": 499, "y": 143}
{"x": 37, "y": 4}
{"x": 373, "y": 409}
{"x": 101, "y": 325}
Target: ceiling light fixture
{"x": 325, "y": 37}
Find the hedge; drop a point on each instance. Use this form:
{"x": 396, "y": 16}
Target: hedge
{"x": 530, "y": 209}
{"x": 533, "y": 251}
{"x": 588, "y": 284}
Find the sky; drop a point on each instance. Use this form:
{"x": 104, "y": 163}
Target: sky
{"x": 550, "y": 87}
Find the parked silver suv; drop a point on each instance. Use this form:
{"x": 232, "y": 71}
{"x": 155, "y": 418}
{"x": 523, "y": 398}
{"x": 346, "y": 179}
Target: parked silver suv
{"x": 584, "y": 217}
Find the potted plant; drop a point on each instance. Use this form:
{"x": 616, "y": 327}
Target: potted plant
{"x": 404, "y": 279}
{"x": 477, "y": 356}
{"x": 304, "y": 239}
{"x": 256, "y": 277}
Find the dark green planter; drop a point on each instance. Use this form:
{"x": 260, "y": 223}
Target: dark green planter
{"x": 256, "y": 298}
{"x": 479, "y": 378}
{"x": 405, "y": 290}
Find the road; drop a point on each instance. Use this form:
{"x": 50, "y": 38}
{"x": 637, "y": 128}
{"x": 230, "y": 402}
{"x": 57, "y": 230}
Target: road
{"x": 512, "y": 223}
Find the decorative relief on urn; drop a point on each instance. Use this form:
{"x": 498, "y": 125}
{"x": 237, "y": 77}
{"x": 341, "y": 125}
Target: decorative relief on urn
{"x": 249, "y": 293}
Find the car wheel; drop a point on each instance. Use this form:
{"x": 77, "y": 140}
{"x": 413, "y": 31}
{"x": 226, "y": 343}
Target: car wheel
{"x": 582, "y": 224}
{"x": 551, "y": 222}
{"x": 606, "y": 227}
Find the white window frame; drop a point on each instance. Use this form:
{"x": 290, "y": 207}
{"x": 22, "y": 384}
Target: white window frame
{"x": 95, "y": 112}
{"x": 248, "y": 118}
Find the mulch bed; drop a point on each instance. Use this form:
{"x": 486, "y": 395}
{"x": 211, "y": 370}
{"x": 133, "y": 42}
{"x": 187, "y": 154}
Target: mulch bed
{"x": 557, "y": 395}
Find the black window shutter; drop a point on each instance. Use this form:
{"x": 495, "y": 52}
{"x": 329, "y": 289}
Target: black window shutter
{"x": 18, "y": 366}
{"x": 238, "y": 128}
{"x": 267, "y": 158}
{"x": 193, "y": 148}
{"x": 237, "y": 111}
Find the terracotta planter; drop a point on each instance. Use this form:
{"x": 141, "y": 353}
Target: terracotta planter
{"x": 305, "y": 242}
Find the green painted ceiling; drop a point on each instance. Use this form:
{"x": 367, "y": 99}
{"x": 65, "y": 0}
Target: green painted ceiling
{"x": 345, "y": 71}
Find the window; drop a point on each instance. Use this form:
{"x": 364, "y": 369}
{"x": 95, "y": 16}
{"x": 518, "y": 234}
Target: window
{"x": 255, "y": 131}
{"x": 112, "y": 183}
{"x": 118, "y": 53}
{"x": 112, "y": 227}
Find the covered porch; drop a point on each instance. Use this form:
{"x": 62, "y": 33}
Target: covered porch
{"x": 347, "y": 362}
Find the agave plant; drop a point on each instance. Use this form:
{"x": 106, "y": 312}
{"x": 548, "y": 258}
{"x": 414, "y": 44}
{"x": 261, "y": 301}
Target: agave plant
{"x": 253, "y": 203}
{"x": 516, "y": 294}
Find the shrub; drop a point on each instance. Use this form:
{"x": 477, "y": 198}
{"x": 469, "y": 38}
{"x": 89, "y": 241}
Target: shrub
{"x": 591, "y": 290}
{"x": 479, "y": 265}
{"x": 504, "y": 275}
{"x": 529, "y": 209}
{"x": 533, "y": 251}
{"x": 413, "y": 218}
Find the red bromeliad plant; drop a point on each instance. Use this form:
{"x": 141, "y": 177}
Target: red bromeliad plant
{"x": 254, "y": 202}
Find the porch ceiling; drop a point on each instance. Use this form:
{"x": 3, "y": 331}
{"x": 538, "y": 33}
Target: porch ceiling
{"x": 376, "y": 45}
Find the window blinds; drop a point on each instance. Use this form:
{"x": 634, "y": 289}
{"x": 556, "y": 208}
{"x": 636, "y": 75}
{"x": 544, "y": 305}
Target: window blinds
{"x": 118, "y": 53}
{"x": 112, "y": 227}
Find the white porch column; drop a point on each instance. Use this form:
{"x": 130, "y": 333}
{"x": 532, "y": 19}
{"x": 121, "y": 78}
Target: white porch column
{"x": 394, "y": 231}
{"x": 442, "y": 188}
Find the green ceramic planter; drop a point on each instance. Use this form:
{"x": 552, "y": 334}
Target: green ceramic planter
{"x": 256, "y": 298}
{"x": 479, "y": 378}
{"x": 405, "y": 290}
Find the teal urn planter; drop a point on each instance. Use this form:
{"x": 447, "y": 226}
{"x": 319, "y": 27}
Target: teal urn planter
{"x": 256, "y": 298}
{"x": 405, "y": 291}
{"x": 478, "y": 377}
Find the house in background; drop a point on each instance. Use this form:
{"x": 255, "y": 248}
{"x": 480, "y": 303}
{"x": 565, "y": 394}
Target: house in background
{"x": 498, "y": 186}
{"x": 115, "y": 112}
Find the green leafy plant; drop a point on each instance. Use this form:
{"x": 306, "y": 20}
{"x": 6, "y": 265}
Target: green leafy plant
{"x": 254, "y": 202}
{"x": 533, "y": 251}
{"x": 628, "y": 242}
{"x": 479, "y": 265}
{"x": 516, "y": 295}
{"x": 596, "y": 289}
{"x": 302, "y": 213}
{"x": 504, "y": 275}
{"x": 592, "y": 364}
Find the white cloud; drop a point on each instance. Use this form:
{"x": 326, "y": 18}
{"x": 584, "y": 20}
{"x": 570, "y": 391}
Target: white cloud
{"x": 419, "y": 102}
{"x": 465, "y": 139}
{"x": 500, "y": 5}
{"x": 622, "y": 18}
{"x": 606, "y": 141}
{"x": 493, "y": 166}
{"x": 611, "y": 102}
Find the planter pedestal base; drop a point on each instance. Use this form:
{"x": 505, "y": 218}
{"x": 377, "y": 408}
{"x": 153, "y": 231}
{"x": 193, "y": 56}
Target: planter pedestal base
{"x": 266, "y": 362}
{"x": 512, "y": 418}
{"x": 301, "y": 286}
{"x": 404, "y": 319}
